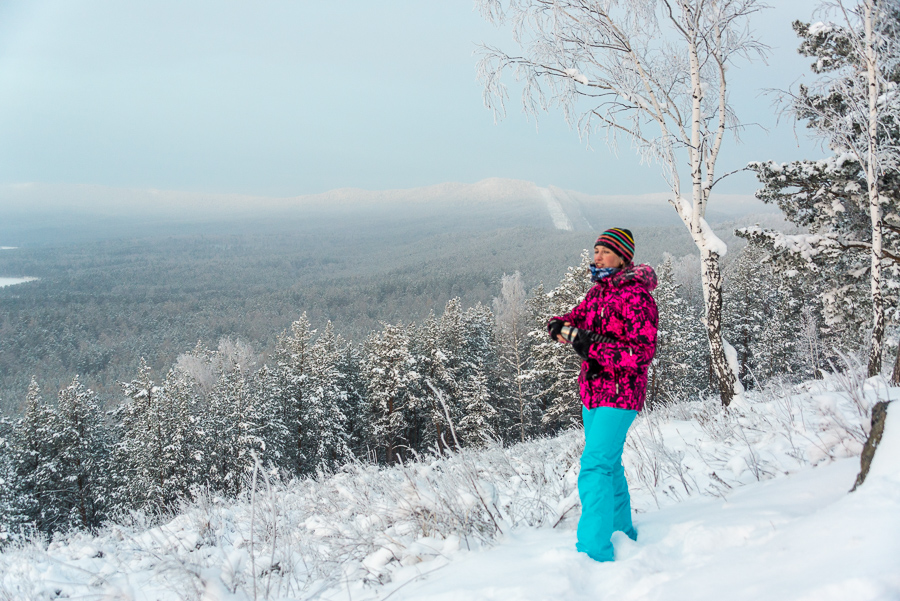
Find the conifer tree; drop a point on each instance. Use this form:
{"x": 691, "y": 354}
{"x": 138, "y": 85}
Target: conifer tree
{"x": 355, "y": 401}
{"x": 33, "y": 463}
{"x": 680, "y": 367}
{"x": 769, "y": 308}
{"x": 750, "y": 300}
{"x": 289, "y": 378}
{"x": 479, "y": 350}
{"x": 81, "y": 447}
{"x": 278, "y": 433}
{"x": 141, "y": 474}
{"x": 389, "y": 370}
{"x": 479, "y": 422}
{"x": 14, "y": 505}
{"x": 323, "y": 417}
{"x": 185, "y": 454}
{"x": 237, "y": 417}
{"x": 431, "y": 398}
{"x": 233, "y": 416}
{"x": 775, "y": 351}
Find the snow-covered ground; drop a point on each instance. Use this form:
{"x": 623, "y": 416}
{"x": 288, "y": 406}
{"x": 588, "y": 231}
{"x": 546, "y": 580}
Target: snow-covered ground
{"x": 798, "y": 537}
{"x": 748, "y": 504}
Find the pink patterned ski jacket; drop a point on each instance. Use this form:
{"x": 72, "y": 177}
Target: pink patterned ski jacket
{"x": 620, "y": 307}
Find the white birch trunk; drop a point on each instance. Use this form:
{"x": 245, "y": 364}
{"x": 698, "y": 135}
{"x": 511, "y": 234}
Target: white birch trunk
{"x": 875, "y": 211}
{"x": 711, "y": 274}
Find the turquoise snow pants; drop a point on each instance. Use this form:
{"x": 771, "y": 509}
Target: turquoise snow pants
{"x": 605, "y": 502}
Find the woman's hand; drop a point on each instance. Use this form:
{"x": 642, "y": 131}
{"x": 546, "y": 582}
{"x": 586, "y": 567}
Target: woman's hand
{"x": 554, "y": 327}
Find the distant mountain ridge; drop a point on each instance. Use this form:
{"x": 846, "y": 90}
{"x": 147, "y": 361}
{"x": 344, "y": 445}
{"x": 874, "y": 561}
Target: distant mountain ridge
{"x": 491, "y": 203}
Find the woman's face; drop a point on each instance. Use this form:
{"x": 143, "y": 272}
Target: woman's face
{"x": 604, "y": 257}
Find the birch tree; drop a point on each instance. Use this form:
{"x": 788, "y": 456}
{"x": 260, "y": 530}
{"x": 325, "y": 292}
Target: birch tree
{"x": 514, "y": 346}
{"x": 654, "y": 71}
{"x": 842, "y": 199}
{"x": 871, "y": 30}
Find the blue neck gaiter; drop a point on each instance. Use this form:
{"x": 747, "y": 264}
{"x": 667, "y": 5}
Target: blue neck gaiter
{"x": 599, "y": 273}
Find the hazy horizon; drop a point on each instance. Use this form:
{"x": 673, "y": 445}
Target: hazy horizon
{"x": 54, "y": 213}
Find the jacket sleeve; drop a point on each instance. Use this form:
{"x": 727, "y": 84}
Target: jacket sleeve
{"x": 631, "y": 321}
{"x": 577, "y": 316}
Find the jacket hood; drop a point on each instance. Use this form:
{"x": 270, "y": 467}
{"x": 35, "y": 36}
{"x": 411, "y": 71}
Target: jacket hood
{"x": 640, "y": 275}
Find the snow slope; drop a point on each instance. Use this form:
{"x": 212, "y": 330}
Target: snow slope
{"x": 799, "y": 537}
{"x": 557, "y": 214}
{"x": 746, "y": 504}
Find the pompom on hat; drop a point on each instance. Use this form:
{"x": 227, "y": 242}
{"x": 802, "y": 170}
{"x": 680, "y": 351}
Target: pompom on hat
{"x": 618, "y": 240}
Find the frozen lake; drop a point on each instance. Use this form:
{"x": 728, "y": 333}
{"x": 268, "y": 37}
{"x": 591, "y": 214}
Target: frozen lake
{"x": 14, "y": 281}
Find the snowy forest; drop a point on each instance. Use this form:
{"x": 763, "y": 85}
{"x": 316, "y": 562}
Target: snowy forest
{"x": 772, "y": 358}
{"x": 466, "y": 378}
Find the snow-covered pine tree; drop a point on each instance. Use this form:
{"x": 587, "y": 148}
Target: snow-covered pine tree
{"x": 811, "y": 355}
{"x": 426, "y": 415}
{"x": 324, "y": 420}
{"x": 778, "y": 351}
{"x": 33, "y": 463}
{"x": 767, "y": 304}
{"x": 277, "y": 433}
{"x": 680, "y": 367}
{"x": 480, "y": 420}
{"x": 287, "y": 386}
{"x": 237, "y": 415}
{"x": 453, "y": 334}
{"x": 389, "y": 370}
{"x": 355, "y": 402}
{"x": 185, "y": 455}
{"x": 143, "y": 464}
{"x": 479, "y": 350}
{"x": 81, "y": 447}
{"x": 476, "y": 374}
{"x": 14, "y": 506}
{"x": 747, "y": 305}
{"x": 465, "y": 341}
{"x": 775, "y": 350}
{"x": 556, "y": 366}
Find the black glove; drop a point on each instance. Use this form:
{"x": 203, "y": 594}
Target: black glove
{"x": 554, "y": 327}
{"x": 593, "y": 370}
{"x": 582, "y": 343}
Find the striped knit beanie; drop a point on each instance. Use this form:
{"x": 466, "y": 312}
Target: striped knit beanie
{"x": 618, "y": 240}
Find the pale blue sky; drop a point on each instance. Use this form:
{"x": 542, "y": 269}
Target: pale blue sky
{"x": 298, "y": 97}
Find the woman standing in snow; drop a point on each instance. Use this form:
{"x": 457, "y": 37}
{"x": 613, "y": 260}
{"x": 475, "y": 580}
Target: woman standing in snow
{"x": 614, "y": 331}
